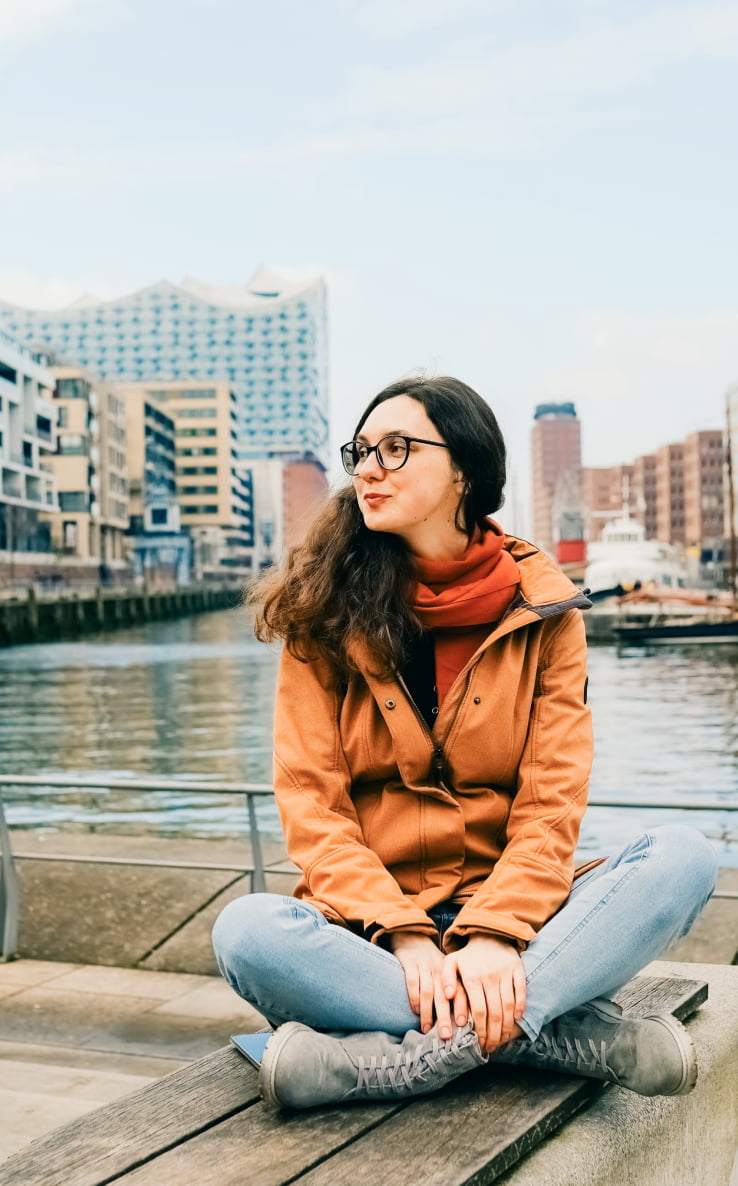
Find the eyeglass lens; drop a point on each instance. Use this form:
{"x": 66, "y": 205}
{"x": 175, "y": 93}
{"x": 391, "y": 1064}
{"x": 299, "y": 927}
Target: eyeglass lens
{"x": 391, "y": 453}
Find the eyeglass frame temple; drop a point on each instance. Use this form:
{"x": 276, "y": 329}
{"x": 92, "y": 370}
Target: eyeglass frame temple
{"x": 375, "y": 449}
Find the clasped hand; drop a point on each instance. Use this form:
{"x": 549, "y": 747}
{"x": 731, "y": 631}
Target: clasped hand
{"x": 483, "y": 982}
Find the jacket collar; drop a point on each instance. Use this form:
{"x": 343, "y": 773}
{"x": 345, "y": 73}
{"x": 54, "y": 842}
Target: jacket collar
{"x": 544, "y": 592}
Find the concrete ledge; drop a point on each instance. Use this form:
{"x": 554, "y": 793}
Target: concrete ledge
{"x": 624, "y": 1139}
{"x": 127, "y": 916}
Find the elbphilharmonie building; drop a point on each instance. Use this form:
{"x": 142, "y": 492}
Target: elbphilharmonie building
{"x": 267, "y": 338}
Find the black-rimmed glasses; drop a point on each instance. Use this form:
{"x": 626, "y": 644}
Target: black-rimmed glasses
{"x": 392, "y": 451}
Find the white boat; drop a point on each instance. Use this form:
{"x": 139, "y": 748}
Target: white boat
{"x": 624, "y": 560}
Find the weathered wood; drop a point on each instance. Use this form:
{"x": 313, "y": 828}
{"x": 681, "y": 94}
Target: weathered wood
{"x": 99, "y": 1147}
{"x": 482, "y": 1124}
{"x": 662, "y": 994}
{"x": 203, "y": 1125}
{"x": 261, "y": 1147}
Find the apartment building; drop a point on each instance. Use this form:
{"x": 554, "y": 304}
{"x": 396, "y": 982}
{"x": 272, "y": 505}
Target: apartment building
{"x": 90, "y": 469}
{"x": 704, "y": 477}
{"x": 160, "y": 551}
{"x": 677, "y": 493}
{"x": 27, "y": 437}
{"x": 214, "y": 493}
{"x": 644, "y": 500}
{"x": 670, "y": 494}
{"x": 607, "y": 493}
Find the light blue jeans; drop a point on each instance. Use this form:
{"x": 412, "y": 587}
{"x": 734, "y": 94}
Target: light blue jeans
{"x": 283, "y": 957}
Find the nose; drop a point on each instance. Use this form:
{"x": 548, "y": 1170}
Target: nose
{"x": 369, "y": 467}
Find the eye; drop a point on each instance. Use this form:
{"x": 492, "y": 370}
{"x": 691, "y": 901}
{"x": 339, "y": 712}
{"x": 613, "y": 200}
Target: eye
{"x": 361, "y": 452}
{"x": 394, "y": 447}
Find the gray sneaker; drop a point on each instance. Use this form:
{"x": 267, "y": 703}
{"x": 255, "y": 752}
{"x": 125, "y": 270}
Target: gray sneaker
{"x": 650, "y": 1055}
{"x": 302, "y": 1068}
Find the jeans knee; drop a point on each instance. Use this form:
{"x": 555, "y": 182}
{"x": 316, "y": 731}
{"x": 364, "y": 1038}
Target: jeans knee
{"x": 240, "y": 926}
{"x": 693, "y": 858}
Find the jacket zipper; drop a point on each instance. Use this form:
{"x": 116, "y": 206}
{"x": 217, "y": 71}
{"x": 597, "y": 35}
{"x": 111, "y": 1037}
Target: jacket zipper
{"x": 439, "y": 757}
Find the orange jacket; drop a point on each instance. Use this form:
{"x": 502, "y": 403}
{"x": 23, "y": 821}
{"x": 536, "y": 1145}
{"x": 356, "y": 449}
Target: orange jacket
{"x": 386, "y": 819}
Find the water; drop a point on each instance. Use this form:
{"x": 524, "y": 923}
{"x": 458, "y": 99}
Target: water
{"x": 192, "y": 699}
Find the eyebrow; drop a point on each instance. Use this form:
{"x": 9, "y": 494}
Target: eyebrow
{"x": 393, "y": 432}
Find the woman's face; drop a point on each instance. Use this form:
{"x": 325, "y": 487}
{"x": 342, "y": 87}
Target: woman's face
{"x": 418, "y": 502}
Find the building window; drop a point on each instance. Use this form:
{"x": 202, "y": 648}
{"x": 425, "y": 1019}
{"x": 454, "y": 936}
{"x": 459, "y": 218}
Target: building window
{"x": 69, "y": 535}
{"x": 209, "y": 413}
{"x": 159, "y": 516}
{"x": 72, "y": 389}
{"x": 74, "y": 500}
{"x": 72, "y": 445}
{"x": 63, "y": 417}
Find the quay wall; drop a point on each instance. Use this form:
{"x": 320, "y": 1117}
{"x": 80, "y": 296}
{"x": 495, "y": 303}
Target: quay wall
{"x": 35, "y": 619}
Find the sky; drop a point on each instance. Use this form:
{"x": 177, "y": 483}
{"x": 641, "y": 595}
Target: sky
{"x": 537, "y": 196}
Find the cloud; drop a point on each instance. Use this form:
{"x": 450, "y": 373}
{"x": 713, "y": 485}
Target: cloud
{"x": 23, "y": 288}
{"x": 643, "y": 381}
{"x": 471, "y": 74}
{"x": 397, "y": 18}
{"x": 29, "y": 20}
{"x": 469, "y": 97}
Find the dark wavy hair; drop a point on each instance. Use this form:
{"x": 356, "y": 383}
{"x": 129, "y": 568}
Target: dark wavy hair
{"x": 346, "y": 584}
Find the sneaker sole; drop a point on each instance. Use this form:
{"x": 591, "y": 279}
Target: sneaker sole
{"x": 272, "y": 1051}
{"x": 686, "y": 1049}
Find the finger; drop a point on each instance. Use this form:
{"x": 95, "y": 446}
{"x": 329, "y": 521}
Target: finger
{"x": 494, "y": 1017}
{"x": 521, "y": 991}
{"x": 427, "y": 998}
{"x": 461, "y": 1005}
{"x": 443, "y": 1011}
{"x": 477, "y": 1008}
{"x": 412, "y": 981}
{"x": 507, "y": 1008}
{"x": 449, "y": 976}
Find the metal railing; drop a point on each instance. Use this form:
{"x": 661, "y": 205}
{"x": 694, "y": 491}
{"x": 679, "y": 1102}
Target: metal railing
{"x": 9, "y": 893}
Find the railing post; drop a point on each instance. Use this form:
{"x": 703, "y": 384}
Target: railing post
{"x": 8, "y": 894}
{"x": 258, "y": 882}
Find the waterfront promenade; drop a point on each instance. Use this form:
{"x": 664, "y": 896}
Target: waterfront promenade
{"x": 117, "y": 986}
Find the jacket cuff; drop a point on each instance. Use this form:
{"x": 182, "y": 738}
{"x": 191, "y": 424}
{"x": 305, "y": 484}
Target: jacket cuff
{"x": 486, "y": 922}
{"x": 376, "y": 933}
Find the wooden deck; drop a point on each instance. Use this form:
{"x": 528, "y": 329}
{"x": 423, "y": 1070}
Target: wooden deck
{"x": 206, "y": 1126}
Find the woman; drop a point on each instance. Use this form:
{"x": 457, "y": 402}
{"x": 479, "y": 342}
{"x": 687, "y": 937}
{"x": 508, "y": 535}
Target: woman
{"x": 432, "y": 753}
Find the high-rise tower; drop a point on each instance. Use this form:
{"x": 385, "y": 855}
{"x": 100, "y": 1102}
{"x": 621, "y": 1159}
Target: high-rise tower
{"x": 556, "y": 460}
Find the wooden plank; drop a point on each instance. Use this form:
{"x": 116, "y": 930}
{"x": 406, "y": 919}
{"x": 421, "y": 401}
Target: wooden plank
{"x": 262, "y": 1147}
{"x": 205, "y": 1125}
{"x": 97, "y": 1148}
{"x": 470, "y": 1133}
{"x": 662, "y": 994}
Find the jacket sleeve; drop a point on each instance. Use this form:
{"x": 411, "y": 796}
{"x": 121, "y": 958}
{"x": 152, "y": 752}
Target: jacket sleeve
{"x": 533, "y": 876}
{"x": 341, "y": 876}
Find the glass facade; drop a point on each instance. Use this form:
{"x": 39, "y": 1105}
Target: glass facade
{"x": 267, "y": 339}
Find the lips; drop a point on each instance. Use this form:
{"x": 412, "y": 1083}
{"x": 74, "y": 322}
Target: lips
{"x": 374, "y": 500}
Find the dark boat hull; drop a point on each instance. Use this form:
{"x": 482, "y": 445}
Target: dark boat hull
{"x": 679, "y": 632}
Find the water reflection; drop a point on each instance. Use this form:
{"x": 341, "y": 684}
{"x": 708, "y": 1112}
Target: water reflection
{"x": 184, "y": 699}
{"x": 193, "y": 699}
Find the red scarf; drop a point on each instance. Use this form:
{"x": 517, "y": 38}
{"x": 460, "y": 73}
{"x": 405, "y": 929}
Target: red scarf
{"x": 459, "y": 600}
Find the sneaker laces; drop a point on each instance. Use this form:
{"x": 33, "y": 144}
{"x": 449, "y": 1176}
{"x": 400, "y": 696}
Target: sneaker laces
{"x": 408, "y": 1066}
{"x": 587, "y": 1056}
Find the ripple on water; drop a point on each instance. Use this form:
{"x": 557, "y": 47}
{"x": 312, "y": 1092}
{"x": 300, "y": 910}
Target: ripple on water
{"x": 192, "y": 698}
